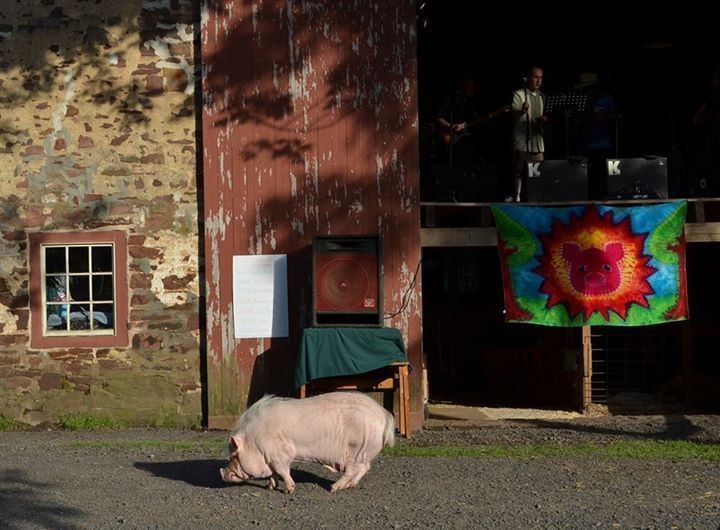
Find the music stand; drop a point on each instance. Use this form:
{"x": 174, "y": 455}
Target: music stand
{"x": 567, "y": 104}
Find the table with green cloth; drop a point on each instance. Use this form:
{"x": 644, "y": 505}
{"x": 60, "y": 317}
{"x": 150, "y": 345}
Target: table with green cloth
{"x": 343, "y": 351}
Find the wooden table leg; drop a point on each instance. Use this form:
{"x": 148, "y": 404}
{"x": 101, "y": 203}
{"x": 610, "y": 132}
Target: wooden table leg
{"x": 404, "y": 401}
{"x": 303, "y": 392}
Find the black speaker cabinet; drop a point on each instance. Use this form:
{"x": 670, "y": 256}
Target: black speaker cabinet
{"x": 347, "y": 281}
{"x": 636, "y": 178}
{"x": 557, "y": 180}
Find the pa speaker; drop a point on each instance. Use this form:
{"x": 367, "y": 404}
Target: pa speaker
{"x": 557, "y": 180}
{"x": 347, "y": 281}
{"x": 637, "y": 178}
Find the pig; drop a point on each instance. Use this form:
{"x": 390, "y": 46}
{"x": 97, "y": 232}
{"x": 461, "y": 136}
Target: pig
{"x": 344, "y": 431}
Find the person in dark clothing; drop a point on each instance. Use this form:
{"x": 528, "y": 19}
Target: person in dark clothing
{"x": 597, "y": 130}
{"x": 454, "y": 120}
{"x": 461, "y": 122}
{"x": 707, "y": 137}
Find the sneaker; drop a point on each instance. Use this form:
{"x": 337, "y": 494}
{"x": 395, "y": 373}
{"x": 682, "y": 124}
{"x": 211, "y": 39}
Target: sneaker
{"x": 517, "y": 199}
{"x": 509, "y": 198}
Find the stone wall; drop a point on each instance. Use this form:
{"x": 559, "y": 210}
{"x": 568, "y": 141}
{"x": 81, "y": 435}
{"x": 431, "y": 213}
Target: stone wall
{"x": 98, "y": 131}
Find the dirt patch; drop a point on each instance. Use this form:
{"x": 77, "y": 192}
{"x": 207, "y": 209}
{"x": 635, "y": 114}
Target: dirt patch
{"x": 444, "y": 415}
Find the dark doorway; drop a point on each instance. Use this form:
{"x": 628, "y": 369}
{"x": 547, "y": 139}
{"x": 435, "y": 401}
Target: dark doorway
{"x": 473, "y": 356}
{"x": 658, "y": 63}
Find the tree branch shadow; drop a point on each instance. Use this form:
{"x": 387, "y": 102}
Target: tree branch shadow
{"x": 23, "y": 502}
{"x": 677, "y": 427}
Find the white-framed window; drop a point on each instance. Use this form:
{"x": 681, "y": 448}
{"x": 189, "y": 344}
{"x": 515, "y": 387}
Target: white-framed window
{"x": 79, "y": 291}
{"x": 78, "y": 294}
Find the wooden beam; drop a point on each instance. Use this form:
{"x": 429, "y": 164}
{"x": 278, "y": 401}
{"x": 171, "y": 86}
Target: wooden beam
{"x": 487, "y": 236}
{"x": 702, "y": 232}
{"x": 587, "y": 367}
{"x": 458, "y": 237}
{"x": 353, "y": 383}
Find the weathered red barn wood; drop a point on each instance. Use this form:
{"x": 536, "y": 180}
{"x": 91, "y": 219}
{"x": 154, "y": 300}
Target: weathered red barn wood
{"x": 309, "y": 128}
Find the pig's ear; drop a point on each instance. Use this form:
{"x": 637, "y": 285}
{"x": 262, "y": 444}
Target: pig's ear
{"x": 235, "y": 443}
{"x": 570, "y": 251}
{"x": 615, "y": 251}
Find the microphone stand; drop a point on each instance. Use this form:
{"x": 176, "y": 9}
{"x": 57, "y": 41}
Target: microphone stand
{"x": 527, "y": 124}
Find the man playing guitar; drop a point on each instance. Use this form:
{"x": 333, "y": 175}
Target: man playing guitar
{"x": 464, "y": 171}
{"x": 457, "y": 115}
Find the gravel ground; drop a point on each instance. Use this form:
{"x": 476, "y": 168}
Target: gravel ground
{"x": 58, "y": 479}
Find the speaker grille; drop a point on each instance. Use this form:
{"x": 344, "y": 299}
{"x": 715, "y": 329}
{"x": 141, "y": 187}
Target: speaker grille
{"x": 347, "y": 283}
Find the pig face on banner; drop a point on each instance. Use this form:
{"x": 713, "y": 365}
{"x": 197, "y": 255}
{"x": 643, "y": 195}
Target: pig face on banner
{"x": 594, "y": 271}
{"x": 594, "y": 264}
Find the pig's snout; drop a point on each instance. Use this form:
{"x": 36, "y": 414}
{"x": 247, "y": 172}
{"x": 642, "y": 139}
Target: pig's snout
{"x": 228, "y": 476}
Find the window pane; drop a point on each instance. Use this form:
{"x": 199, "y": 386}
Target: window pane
{"x": 79, "y": 259}
{"x": 102, "y": 287}
{"x": 54, "y": 259}
{"x": 80, "y": 316}
{"x": 103, "y": 317}
{"x": 55, "y": 316}
{"x": 102, "y": 259}
{"x": 55, "y": 289}
{"x": 80, "y": 288}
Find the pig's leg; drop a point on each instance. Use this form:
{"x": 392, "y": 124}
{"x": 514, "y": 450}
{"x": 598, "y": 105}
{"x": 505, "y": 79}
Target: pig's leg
{"x": 283, "y": 470}
{"x": 341, "y": 484}
{"x": 361, "y": 470}
{"x": 272, "y": 484}
{"x": 354, "y": 471}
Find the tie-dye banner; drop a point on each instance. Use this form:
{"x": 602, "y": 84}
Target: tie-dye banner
{"x": 592, "y": 264}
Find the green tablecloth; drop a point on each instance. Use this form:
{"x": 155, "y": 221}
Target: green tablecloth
{"x": 331, "y": 352}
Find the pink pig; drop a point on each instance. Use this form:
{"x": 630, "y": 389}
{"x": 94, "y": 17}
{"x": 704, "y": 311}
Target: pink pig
{"x": 594, "y": 271}
{"x": 342, "y": 430}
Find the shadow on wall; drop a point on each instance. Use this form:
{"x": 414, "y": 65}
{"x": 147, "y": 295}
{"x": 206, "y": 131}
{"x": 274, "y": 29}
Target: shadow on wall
{"x": 336, "y": 121}
{"x": 48, "y": 47}
{"x": 673, "y": 427}
{"x": 282, "y": 92}
{"x": 273, "y": 370}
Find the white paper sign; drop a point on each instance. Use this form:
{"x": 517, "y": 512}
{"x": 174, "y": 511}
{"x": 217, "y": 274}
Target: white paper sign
{"x": 260, "y": 306}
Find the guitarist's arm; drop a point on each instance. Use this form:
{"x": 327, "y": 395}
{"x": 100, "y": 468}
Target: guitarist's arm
{"x": 455, "y": 127}
{"x": 447, "y": 130}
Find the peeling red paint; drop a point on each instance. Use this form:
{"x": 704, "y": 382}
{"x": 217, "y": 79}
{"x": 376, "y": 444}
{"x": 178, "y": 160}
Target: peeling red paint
{"x": 316, "y": 134}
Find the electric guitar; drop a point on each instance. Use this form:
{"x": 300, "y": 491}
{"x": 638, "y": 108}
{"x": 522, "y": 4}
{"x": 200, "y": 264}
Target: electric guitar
{"x": 448, "y": 136}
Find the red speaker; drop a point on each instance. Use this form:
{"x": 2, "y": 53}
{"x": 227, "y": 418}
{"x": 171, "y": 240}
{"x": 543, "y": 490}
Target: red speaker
{"x": 347, "y": 281}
